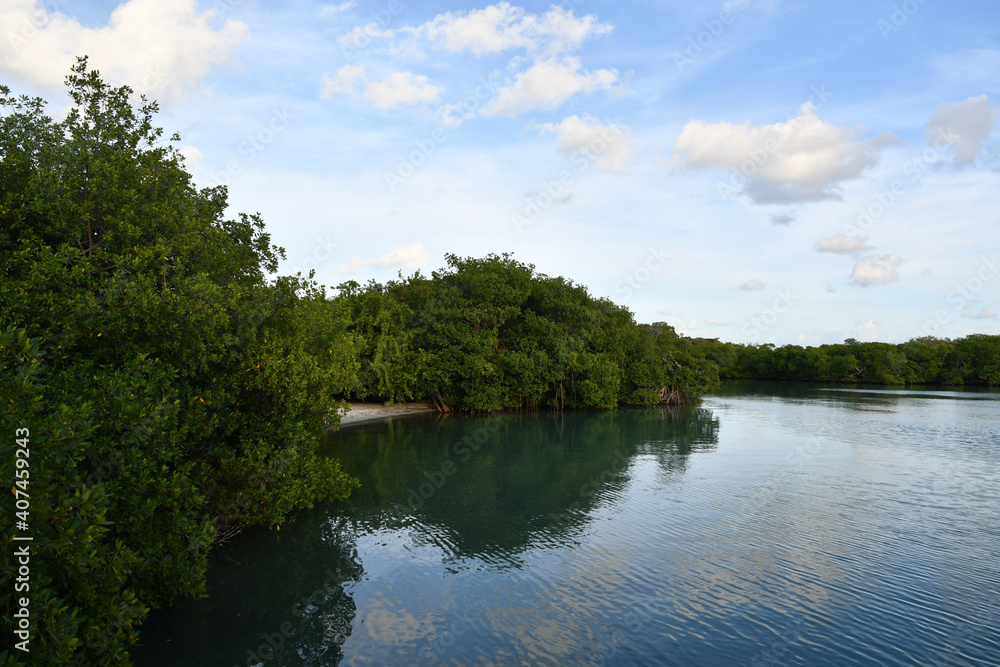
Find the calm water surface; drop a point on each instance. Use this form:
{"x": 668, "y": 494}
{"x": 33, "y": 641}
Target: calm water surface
{"x": 774, "y": 524}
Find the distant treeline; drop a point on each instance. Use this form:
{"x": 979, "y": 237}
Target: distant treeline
{"x": 973, "y": 360}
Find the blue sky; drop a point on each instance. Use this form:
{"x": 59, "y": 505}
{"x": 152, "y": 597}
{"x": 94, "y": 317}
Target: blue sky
{"x": 769, "y": 171}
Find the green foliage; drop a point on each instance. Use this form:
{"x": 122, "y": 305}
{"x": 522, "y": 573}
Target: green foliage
{"x": 80, "y": 599}
{"x": 197, "y": 387}
{"x": 491, "y": 334}
{"x": 973, "y": 360}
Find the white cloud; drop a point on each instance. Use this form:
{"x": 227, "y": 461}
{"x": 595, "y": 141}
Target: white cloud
{"x": 983, "y": 314}
{"x": 802, "y": 159}
{"x": 345, "y": 82}
{"x": 843, "y": 245}
{"x": 413, "y": 256}
{"x": 399, "y": 88}
{"x": 876, "y": 270}
{"x": 547, "y": 84}
{"x": 684, "y": 327}
{"x": 332, "y": 10}
{"x": 361, "y": 36}
{"x": 753, "y": 284}
{"x": 191, "y": 154}
{"x": 967, "y": 124}
{"x": 488, "y": 31}
{"x": 160, "y": 48}
{"x": 502, "y": 27}
{"x": 717, "y": 323}
{"x": 609, "y": 142}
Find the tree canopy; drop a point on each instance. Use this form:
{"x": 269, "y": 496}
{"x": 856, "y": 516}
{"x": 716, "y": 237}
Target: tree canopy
{"x": 174, "y": 391}
{"x": 492, "y": 334}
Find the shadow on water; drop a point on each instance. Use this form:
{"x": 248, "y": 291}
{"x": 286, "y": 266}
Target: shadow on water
{"x": 482, "y": 489}
{"x": 275, "y": 598}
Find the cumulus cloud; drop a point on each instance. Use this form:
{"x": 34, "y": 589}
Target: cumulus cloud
{"x": 502, "y": 27}
{"x": 609, "y": 143}
{"x": 546, "y": 41}
{"x": 488, "y": 31}
{"x": 802, "y": 159}
{"x": 191, "y": 155}
{"x": 345, "y": 82}
{"x": 332, "y": 10}
{"x": 876, "y": 270}
{"x": 983, "y": 314}
{"x": 161, "y": 48}
{"x": 752, "y": 284}
{"x": 413, "y": 256}
{"x": 547, "y": 84}
{"x": 843, "y": 245}
{"x": 399, "y": 88}
{"x": 967, "y": 125}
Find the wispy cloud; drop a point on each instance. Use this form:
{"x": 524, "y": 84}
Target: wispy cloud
{"x": 843, "y": 245}
{"x": 413, "y": 256}
{"x": 968, "y": 124}
{"x": 610, "y": 143}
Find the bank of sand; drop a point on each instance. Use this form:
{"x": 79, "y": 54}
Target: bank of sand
{"x": 366, "y": 412}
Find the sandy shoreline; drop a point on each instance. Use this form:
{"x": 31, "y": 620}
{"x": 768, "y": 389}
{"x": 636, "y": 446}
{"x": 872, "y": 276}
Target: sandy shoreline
{"x": 367, "y": 412}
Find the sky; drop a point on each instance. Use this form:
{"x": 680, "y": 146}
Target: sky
{"x": 749, "y": 170}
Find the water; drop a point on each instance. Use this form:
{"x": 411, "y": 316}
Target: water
{"x": 773, "y": 524}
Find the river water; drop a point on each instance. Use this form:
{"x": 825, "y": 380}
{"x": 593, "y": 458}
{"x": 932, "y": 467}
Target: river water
{"x": 773, "y": 524}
